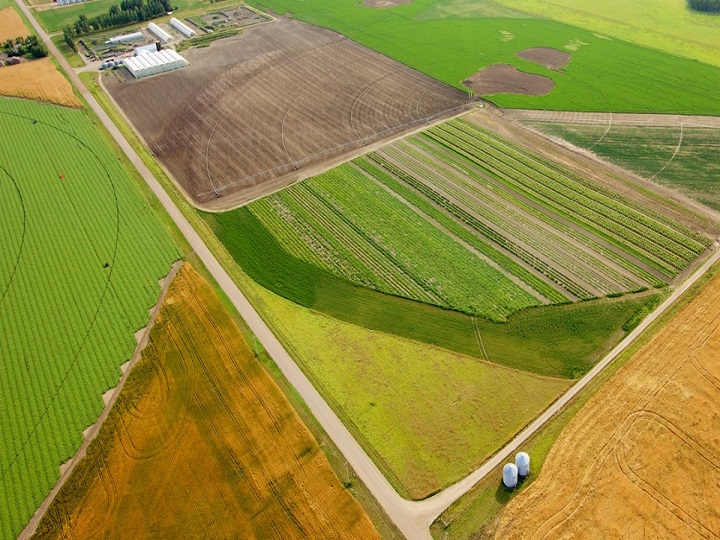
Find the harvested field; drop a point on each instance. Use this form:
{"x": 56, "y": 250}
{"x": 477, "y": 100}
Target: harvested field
{"x": 202, "y": 443}
{"x": 252, "y": 112}
{"x": 546, "y": 56}
{"x": 11, "y": 25}
{"x": 642, "y": 455}
{"x": 507, "y": 79}
{"x": 38, "y": 79}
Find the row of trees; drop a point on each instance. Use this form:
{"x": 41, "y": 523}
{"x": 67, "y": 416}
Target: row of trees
{"x": 30, "y": 46}
{"x": 128, "y": 12}
{"x": 705, "y": 5}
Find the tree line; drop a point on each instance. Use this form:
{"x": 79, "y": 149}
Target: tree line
{"x": 705, "y": 5}
{"x": 30, "y": 46}
{"x": 128, "y": 12}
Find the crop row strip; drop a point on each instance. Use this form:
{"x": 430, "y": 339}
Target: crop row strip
{"x": 625, "y": 225}
{"x": 645, "y": 212}
{"x": 463, "y": 231}
{"x": 490, "y": 233}
{"x": 435, "y": 296}
{"x": 450, "y": 160}
{"x": 374, "y": 258}
{"x": 514, "y": 220}
{"x": 509, "y": 227}
{"x": 300, "y": 238}
{"x": 592, "y": 218}
{"x": 677, "y": 241}
{"x": 451, "y": 234}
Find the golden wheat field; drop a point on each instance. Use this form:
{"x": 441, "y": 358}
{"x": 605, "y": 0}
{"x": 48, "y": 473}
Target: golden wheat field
{"x": 11, "y": 25}
{"x": 202, "y": 444}
{"x": 38, "y": 79}
{"x": 642, "y": 458}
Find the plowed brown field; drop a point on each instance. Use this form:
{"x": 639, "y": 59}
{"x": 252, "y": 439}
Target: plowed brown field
{"x": 642, "y": 458}
{"x": 273, "y": 102}
{"x": 11, "y": 25}
{"x": 201, "y": 443}
{"x": 38, "y": 79}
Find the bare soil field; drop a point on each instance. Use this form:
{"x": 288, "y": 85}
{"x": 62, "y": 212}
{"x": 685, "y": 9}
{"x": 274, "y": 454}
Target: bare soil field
{"x": 271, "y": 102}
{"x": 663, "y": 200}
{"x": 11, "y": 25}
{"x": 202, "y": 443}
{"x": 507, "y": 79}
{"x": 382, "y": 4}
{"x": 546, "y": 56}
{"x": 641, "y": 458}
{"x": 37, "y": 79}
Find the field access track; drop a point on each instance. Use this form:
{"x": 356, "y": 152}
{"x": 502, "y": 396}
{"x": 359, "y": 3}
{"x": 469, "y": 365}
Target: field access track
{"x": 273, "y": 101}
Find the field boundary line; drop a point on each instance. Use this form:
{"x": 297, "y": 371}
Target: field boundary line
{"x": 94, "y": 429}
{"x": 675, "y": 153}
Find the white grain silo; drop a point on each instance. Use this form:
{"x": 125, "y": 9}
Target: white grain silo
{"x": 522, "y": 461}
{"x": 510, "y": 475}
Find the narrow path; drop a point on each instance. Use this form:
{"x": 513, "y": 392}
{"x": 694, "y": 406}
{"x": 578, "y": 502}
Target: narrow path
{"x": 413, "y": 518}
{"x": 69, "y": 466}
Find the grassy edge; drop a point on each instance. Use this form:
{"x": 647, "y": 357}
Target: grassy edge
{"x": 382, "y": 522}
{"x": 488, "y": 497}
{"x": 71, "y": 56}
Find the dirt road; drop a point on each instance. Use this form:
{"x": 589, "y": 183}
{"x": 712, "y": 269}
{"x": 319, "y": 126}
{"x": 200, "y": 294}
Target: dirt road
{"x": 412, "y": 518}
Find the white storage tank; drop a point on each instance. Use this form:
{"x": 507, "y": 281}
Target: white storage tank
{"x": 522, "y": 461}
{"x": 510, "y": 475}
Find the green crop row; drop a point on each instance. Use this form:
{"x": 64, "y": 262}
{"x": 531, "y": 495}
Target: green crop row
{"x": 461, "y": 231}
{"x": 452, "y": 161}
{"x": 491, "y": 234}
{"x": 668, "y": 228}
{"x": 577, "y": 262}
{"x": 82, "y": 252}
{"x": 588, "y": 213}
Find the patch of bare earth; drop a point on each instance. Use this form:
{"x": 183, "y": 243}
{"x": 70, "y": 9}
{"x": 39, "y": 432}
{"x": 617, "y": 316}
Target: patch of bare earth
{"x": 546, "y": 56}
{"x": 254, "y": 111}
{"x": 507, "y": 79}
{"x": 382, "y": 4}
{"x": 640, "y": 460}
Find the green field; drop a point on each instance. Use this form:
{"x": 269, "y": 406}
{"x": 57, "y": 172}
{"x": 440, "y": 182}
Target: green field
{"x": 427, "y": 416}
{"x": 72, "y": 57}
{"x": 345, "y": 223}
{"x": 450, "y": 41}
{"x": 668, "y": 25}
{"x": 82, "y": 251}
{"x": 55, "y": 19}
{"x": 690, "y": 164}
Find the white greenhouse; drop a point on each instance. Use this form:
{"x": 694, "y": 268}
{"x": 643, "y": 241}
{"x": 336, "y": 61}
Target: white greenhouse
{"x": 161, "y": 34}
{"x": 152, "y": 63}
{"x": 181, "y": 27}
{"x": 135, "y": 36}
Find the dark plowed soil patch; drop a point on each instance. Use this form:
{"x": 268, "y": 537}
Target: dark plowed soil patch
{"x": 545, "y": 56}
{"x": 382, "y": 4}
{"x": 264, "y": 106}
{"x": 507, "y": 79}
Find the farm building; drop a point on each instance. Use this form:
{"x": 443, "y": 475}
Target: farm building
{"x": 135, "y": 36}
{"x": 181, "y": 27}
{"x": 152, "y": 63}
{"x": 68, "y": 2}
{"x": 159, "y": 32}
{"x": 152, "y": 47}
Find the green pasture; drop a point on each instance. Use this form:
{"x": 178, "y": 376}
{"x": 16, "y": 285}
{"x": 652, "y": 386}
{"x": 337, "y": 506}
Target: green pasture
{"x": 668, "y": 25}
{"x": 82, "y": 252}
{"x": 450, "y": 41}
{"x": 54, "y": 19}
{"x": 690, "y": 164}
{"x": 557, "y": 341}
{"x": 428, "y": 416}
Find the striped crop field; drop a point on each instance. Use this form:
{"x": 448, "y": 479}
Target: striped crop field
{"x": 82, "y": 253}
{"x": 460, "y": 218}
